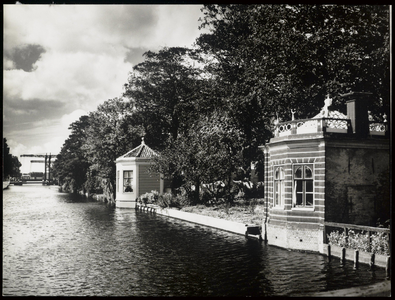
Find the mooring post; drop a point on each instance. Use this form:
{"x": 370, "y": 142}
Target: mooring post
{"x": 372, "y": 257}
{"x": 356, "y": 259}
{"x": 343, "y": 258}
{"x": 388, "y": 266}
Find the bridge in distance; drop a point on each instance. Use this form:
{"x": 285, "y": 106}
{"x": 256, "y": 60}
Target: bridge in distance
{"x": 37, "y": 166}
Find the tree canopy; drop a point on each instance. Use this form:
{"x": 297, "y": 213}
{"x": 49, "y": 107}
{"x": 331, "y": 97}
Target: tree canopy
{"x": 207, "y": 109}
{"x": 11, "y": 163}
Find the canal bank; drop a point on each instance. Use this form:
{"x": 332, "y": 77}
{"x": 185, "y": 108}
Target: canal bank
{"x": 242, "y": 229}
{"x": 378, "y": 289}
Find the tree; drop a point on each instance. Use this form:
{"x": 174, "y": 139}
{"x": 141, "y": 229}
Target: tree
{"x": 71, "y": 164}
{"x": 209, "y": 151}
{"x": 163, "y": 91}
{"x": 268, "y": 59}
{"x": 11, "y": 163}
{"x": 109, "y": 135}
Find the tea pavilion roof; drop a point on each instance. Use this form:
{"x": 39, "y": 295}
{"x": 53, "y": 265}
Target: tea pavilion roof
{"x": 141, "y": 151}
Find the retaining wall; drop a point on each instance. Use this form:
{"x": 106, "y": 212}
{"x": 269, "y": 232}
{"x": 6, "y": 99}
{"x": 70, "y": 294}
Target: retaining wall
{"x": 226, "y": 225}
{"x": 295, "y": 238}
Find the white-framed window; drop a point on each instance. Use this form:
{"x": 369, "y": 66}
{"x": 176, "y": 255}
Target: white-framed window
{"x": 127, "y": 181}
{"x": 279, "y": 186}
{"x": 303, "y": 185}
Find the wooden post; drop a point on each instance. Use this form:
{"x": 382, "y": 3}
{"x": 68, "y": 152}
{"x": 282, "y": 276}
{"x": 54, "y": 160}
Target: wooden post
{"x": 388, "y": 266}
{"x": 45, "y": 168}
{"x": 356, "y": 259}
{"x": 49, "y": 168}
{"x": 329, "y": 252}
{"x": 343, "y": 258}
{"x": 372, "y": 257}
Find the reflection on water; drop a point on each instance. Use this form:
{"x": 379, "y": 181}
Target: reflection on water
{"x": 62, "y": 244}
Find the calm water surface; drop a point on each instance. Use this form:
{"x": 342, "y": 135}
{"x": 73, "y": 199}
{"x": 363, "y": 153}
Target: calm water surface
{"x": 61, "y": 244}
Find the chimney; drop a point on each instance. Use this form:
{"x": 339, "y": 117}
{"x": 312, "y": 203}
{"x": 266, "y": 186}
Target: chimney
{"x": 357, "y": 112}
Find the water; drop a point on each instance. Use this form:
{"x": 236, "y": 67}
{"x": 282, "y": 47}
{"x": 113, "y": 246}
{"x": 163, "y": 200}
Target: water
{"x": 57, "y": 244}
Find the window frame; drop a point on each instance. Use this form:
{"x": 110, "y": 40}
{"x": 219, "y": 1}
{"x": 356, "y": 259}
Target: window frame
{"x": 303, "y": 180}
{"x": 278, "y": 186}
{"x": 127, "y": 181}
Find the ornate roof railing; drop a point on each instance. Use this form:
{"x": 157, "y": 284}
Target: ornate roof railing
{"x": 317, "y": 125}
{"x": 378, "y": 128}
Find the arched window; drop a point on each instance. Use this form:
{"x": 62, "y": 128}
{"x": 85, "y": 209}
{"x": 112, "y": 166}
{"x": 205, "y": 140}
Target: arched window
{"x": 279, "y": 188}
{"x": 303, "y": 186}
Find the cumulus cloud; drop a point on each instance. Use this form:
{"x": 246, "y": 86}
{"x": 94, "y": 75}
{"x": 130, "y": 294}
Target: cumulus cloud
{"x": 24, "y": 57}
{"x": 61, "y": 61}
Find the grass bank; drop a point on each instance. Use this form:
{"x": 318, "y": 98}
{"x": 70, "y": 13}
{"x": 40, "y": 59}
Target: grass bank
{"x": 242, "y": 211}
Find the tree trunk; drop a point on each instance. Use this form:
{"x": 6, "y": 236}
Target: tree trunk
{"x": 197, "y": 189}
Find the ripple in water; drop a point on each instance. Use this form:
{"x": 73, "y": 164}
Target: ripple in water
{"x": 57, "y": 244}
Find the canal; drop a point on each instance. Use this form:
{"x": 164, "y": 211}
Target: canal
{"x": 57, "y": 244}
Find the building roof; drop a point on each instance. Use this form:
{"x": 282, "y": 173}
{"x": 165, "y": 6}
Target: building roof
{"x": 142, "y": 151}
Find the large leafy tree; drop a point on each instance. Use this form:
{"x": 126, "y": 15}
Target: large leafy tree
{"x": 163, "y": 91}
{"x": 166, "y": 92}
{"x": 11, "y": 163}
{"x": 71, "y": 164}
{"x": 109, "y": 135}
{"x": 209, "y": 151}
{"x": 269, "y": 59}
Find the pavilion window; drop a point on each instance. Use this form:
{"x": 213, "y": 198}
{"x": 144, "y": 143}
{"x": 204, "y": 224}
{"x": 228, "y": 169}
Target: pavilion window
{"x": 303, "y": 187}
{"x": 127, "y": 181}
{"x": 279, "y": 187}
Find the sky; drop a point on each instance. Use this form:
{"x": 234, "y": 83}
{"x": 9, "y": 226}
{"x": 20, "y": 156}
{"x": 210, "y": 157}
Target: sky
{"x": 61, "y": 61}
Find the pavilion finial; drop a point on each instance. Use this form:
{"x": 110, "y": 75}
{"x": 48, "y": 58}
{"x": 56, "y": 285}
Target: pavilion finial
{"x": 142, "y": 140}
{"x": 293, "y": 111}
{"x": 328, "y": 102}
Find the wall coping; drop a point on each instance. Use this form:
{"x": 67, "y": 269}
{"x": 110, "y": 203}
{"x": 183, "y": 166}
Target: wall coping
{"x": 234, "y": 227}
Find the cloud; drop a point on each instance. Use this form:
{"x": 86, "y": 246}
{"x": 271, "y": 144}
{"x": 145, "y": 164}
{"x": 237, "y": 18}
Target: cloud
{"x": 18, "y": 113}
{"x": 82, "y": 80}
{"x": 135, "y": 55}
{"x": 61, "y": 61}
{"x": 24, "y": 57}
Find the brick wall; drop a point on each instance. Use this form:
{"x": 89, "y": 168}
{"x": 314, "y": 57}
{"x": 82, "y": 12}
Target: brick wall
{"x": 354, "y": 181}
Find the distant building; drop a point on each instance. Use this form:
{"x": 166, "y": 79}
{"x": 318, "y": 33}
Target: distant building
{"x": 133, "y": 177}
{"x": 331, "y": 168}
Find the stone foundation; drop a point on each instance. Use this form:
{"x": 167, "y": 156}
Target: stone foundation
{"x": 294, "y": 238}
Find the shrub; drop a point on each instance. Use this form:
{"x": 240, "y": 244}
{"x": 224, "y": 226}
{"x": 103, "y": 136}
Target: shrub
{"x": 336, "y": 238}
{"x": 380, "y": 243}
{"x": 149, "y": 198}
{"x": 360, "y": 241}
{"x": 165, "y": 200}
